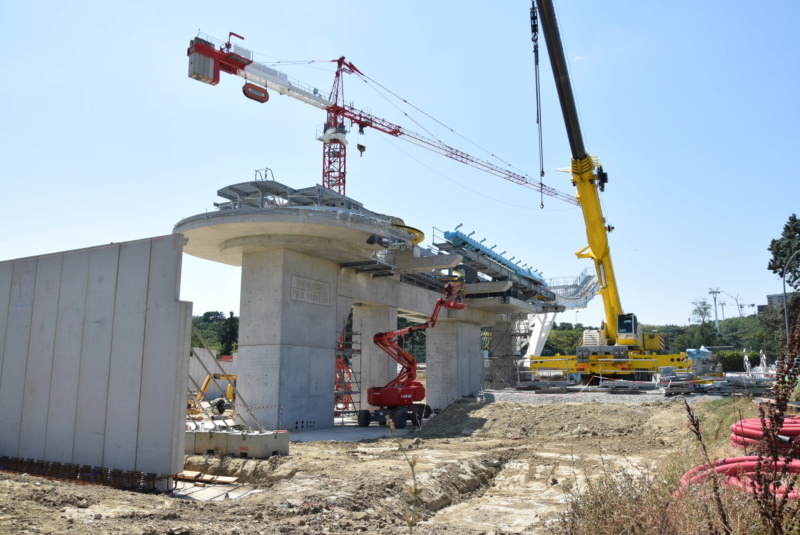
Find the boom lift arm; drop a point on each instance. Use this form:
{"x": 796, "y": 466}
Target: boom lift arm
{"x": 403, "y": 391}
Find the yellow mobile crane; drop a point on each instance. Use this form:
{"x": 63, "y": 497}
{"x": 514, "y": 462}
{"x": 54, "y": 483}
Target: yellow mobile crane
{"x": 619, "y": 347}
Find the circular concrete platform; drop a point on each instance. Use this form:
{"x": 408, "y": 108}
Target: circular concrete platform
{"x": 339, "y": 235}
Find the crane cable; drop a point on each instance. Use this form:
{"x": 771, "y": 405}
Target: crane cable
{"x": 535, "y": 39}
{"x": 372, "y": 83}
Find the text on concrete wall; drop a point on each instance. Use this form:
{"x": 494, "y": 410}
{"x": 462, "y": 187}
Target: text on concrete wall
{"x": 311, "y": 291}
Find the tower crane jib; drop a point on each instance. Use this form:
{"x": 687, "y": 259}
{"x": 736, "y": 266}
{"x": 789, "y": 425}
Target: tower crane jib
{"x": 208, "y": 56}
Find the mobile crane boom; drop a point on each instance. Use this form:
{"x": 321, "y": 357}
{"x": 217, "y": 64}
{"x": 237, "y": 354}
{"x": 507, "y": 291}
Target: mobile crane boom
{"x": 620, "y": 347}
{"x": 586, "y": 177}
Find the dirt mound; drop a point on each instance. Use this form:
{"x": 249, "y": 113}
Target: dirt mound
{"x": 565, "y": 420}
{"x": 480, "y": 467}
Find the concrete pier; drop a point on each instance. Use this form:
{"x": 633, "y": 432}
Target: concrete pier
{"x": 287, "y": 336}
{"x": 307, "y": 257}
{"x": 455, "y": 363}
{"x": 375, "y": 367}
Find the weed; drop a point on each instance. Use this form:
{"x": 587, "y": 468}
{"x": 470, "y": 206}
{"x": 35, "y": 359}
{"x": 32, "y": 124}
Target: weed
{"x": 411, "y": 516}
{"x": 623, "y": 502}
{"x": 772, "y": 471}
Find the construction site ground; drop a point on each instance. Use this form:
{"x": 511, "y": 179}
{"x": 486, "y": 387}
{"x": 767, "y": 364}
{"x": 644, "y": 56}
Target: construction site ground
{"x": 497, "y": 464}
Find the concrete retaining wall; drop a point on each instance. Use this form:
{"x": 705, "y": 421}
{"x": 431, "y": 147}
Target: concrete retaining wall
{"x": 94, "y": 348}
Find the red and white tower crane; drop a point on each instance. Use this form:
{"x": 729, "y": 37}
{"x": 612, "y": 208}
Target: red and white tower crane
{"x": 209, "y": 56}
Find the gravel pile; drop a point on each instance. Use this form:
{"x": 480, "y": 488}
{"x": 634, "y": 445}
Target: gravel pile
{"x": 587, "y": 395}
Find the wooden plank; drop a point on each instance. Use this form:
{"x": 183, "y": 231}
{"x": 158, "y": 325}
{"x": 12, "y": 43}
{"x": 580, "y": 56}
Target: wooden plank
{"x": 190, "y": 475}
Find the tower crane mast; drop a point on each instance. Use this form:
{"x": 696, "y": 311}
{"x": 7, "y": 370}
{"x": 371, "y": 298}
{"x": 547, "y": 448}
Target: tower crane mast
{"x": 208, "y": 57}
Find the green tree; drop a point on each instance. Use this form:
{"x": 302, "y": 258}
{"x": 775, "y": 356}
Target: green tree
{"x": 229, "y": 336}
{"x": 702, "y": 314}
{"x": 415, "y": 343}
{"x": 563, "y": 340}
{"x": 212, "y": 316}
{"x": 211, "y": 326}
{"x": 783, "y": 248}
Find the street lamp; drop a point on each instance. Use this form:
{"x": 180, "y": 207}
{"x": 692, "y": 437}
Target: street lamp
{"x": 716, "y": 319}
{"x": 785, "y": 302}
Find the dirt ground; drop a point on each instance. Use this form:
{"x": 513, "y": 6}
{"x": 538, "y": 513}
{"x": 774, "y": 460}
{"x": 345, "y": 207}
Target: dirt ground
{"x": 481, "y": 467}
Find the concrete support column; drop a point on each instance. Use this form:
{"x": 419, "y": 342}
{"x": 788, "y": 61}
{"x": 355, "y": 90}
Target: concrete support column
{"x": 502, "y": 341}
{"x": 455, "y": 362}
{"x": 287, "y": 339}
{"x": 376, "y": 367}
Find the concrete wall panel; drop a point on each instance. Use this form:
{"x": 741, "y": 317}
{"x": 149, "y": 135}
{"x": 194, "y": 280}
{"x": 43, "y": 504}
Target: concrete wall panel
{"x": 6, "y": 269}
{"x": 15, "y": 353}
{"x": 90, "y": 418}
{"x": 160, "y": 363}
{"x": 94, "y": 348}
{"x": 67, "y": 357}
{"x": 179, "y": 381}
{"x": 127, "y": 351}
{"x": 33, "y": 430}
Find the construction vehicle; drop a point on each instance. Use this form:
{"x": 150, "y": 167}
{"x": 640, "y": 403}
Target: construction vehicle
{"x": 230, "y": 394}
{"x": 619, "y": 347}
{"x": 399, "y": 399}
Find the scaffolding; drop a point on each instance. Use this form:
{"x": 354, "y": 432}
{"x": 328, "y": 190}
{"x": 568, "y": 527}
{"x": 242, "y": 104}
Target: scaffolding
{"x": 347, "y": 385}
{"x": 505, "y": 365}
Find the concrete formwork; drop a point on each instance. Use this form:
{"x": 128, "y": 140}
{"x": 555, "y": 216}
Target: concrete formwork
{"x": 93, "y": 349}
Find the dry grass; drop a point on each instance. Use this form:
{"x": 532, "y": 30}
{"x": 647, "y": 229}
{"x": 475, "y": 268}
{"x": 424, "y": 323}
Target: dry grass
{"x": 620, "y": 503}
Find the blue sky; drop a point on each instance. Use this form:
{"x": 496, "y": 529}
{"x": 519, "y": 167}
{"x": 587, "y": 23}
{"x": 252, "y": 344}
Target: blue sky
{"x": 690, "y": 107}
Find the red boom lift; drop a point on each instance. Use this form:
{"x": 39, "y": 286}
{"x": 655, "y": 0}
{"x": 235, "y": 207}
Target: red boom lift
{"x": 399, "y": 398}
